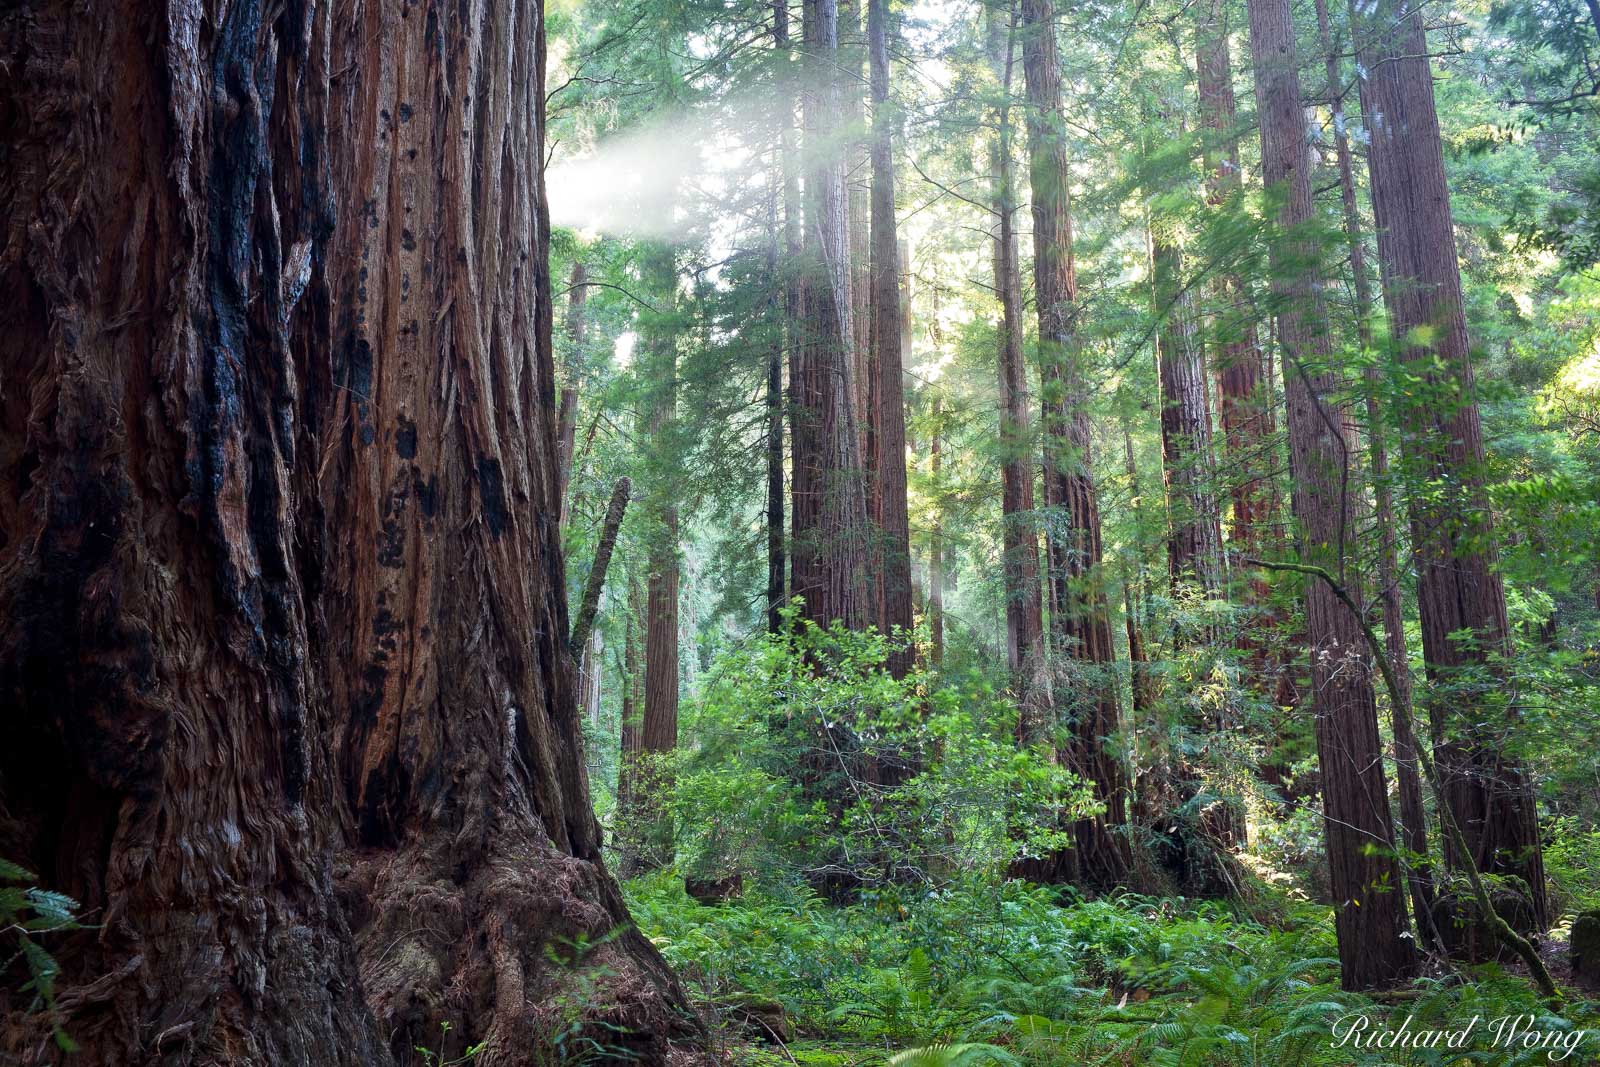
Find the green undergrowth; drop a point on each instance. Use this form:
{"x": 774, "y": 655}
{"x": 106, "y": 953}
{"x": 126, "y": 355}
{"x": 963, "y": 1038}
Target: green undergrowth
{"x": 1012, "y": 973}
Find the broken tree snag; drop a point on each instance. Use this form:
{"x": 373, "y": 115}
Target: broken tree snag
{"x": 287, "y": 700}
{"x": 602, "y": 561}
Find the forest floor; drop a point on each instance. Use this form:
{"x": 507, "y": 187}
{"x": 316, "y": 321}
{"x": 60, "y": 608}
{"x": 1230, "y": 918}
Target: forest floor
{"x": 1022, "y": 975}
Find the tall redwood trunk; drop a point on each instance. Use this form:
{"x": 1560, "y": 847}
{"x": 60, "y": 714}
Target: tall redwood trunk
{"x": 851, "y": 85}
{"x": 1369, "y": 913}
{"x": 1019, "y": 537}
{"x": 891, "y": 521}
{"x": 282, "y": 608}
{"x": 642, "y": 820}
{"x": 1408, "y": 776}
{"x": 1081, "y": 619}
{"x": 830, "y": 548}
{"x": 1233, "y": 347}
{"x": 1452, "y": 529}
{"x": 778, "y": 326}
{"x": 780, "y": 585}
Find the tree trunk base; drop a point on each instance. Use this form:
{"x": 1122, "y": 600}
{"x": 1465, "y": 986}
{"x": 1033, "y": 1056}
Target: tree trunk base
{"x": 539, "y": 937}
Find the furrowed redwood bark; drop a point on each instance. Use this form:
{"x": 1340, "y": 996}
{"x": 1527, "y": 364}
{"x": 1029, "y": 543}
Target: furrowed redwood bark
{"x": 891, "y": 521}
{"x": 282, "y": 588}
{"x": 1081, "y": 619}
{"x": 1019, "y": 537}
{"x": 1413, "y": 819}
{"x": 1459, "y": 591}
{"x": 851, "y": 85}
{"x": 1369, "y": 909}
{"x": 830, "y": 547}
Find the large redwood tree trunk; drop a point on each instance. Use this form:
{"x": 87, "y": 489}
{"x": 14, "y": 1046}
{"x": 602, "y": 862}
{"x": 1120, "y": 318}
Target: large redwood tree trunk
{"x": 1408, "y": 772}
{"x": 1452, "y": 529}
{"x": 1019, "y": 531}
{"x": 282, "y": 611}
{"x": 1369, "y": 910}
{"x": 1081, "y": 618}
{"x": 829, "y": 554}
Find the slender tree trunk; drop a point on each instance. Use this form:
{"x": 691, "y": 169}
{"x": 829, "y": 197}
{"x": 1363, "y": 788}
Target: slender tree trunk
{"x": 1080, "y": 616}
{"x": 1135, "y": 592}
{"x": 282, "y": 605}
{"x": 793, "y": 315}
{"x": 1245, "y": 404}
{"x": 777, "y": 594}
{"x": 1194, "y": 532}
{"x": 658, "y": 725}
{"x": 830, "y": 550}
{"x": 1452, "y": 529}
{"x": 631, "y": 733}
{"x": 891, "y": 519}
{"x": 1019, "y": 537}
{"x": 852, "y": 87}
{"x": 1413, "y": 820}
{"x": 1369, "y": 914}
{"x": 591, "y": 687}
{"x": 567, "y": 409}
{"x": 936, "y": 539}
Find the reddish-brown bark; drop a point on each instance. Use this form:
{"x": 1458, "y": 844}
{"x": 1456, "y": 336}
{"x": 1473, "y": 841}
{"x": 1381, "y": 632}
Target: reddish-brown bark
{"x": 830, "y": 549}
{"x": 1019, "y": 531}
{"x": 1245, "y": 405}
{"x": 282, "y": 606}
{"x": 1413, "y": 819}
{"x": 779, "y": 583}
{"x": 851, "y": 85}
{"x": 886, "y": 385}
{"x": 1369, "y": 912}
{"x": 1081, "y": 619}
{"x": 1452, "y": 529}
{"x": 640, "y": 823}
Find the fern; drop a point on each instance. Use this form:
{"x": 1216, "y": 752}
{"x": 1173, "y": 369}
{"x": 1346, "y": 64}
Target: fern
{"x": 27, "y": 911}
{"x": 969, "y": 1054}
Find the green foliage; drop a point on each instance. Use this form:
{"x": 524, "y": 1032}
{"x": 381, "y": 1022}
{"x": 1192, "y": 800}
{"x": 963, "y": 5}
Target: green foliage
{"x": 1015, "y": 971}
{"x": 430, "y": 1058}
{"x": 1572, "y": 859}
{"x": 968, "y": 1054}
{"x": 27, "y": 913}
{"x": 780, "y": 783}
